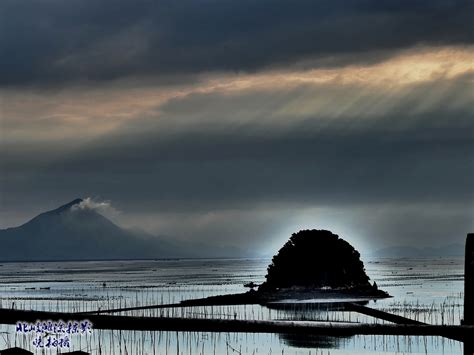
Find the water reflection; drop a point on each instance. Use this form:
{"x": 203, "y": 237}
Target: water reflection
{"x": 313, "y": 341}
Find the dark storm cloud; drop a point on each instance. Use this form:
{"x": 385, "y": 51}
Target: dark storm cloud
{"x": 427, "y": 163}
{"x": 257, "y": 185}
{"x": 55, "y": 41}
{"x": 221, "y": 150}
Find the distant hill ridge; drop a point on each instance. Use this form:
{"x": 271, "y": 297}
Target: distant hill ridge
{"x": 66, "y": 233}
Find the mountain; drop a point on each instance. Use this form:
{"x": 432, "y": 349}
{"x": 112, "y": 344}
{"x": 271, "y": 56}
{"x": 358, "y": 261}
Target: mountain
{"x": 71, "y": 232}
{"x": 408, "y": 251}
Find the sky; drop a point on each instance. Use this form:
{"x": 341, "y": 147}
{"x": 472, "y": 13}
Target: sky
{"x": 237, "y": 123}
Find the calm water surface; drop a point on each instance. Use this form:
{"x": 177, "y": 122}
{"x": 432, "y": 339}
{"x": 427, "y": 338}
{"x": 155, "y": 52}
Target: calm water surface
{"x": 429, "y": 290}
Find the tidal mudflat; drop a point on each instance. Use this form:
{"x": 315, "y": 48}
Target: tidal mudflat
{"x": 427, "y": 290}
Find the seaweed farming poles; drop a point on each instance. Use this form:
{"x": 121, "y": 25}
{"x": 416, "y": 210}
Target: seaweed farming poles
{"x": 461, "y": 332}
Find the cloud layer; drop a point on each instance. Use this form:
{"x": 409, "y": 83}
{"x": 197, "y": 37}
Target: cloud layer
{"x": 242, "y": 121}
{"x": 56, "y": 42}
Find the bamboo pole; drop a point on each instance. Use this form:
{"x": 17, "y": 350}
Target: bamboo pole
{"x": 9, "y": 316}
{"x": 469, "y": 290}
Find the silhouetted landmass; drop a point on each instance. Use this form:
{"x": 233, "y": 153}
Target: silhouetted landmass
{"x": 313, "y": 264}
{"x": 314, "y": 259}
{"x": 69, "y": 233}
{"x": 74, "y": 232}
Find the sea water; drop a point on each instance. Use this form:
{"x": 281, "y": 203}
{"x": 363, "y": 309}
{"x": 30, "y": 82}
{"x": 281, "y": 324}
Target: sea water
{"x": 429, "y": 290}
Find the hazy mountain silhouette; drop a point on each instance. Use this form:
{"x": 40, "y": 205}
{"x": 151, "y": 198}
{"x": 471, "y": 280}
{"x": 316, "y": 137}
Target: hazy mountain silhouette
{"x": 73, "y": 233}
